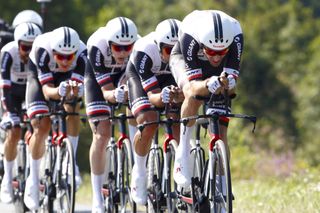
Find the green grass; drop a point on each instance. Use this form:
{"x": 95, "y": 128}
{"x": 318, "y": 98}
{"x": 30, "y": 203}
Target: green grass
{"x": 297, "y": 193}
{"x": 262, "y": 183}
{"x": 84, "y": 194}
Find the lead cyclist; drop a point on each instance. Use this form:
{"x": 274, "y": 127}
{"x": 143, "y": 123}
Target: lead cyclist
{"x": 206, "y": 60}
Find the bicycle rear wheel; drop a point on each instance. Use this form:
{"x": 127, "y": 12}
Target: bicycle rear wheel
{"x": 66, "y": 190}
{"x": 111, "y": 196}
{"x": 220, "y": 190}
{"x": 154, "y": 166}
{"x": 124, "y": 180}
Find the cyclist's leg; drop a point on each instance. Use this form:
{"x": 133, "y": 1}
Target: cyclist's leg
{"x": 142, "y": 110}
{"x": 100, "y": 138}
{"x": 132, "y": 126}
{"x": 97, "y": 111}
{"x": 182, "y": 169}
{"x": 13, "y": 134}
{"x": 36, "y": 104}
{"x": 10, "y": 153}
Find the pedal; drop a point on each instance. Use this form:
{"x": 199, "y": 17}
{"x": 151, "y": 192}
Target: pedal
{"x": 181, "y": 206}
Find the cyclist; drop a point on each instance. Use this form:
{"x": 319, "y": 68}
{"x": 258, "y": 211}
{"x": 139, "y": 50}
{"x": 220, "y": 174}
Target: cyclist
{"x": 56, "y": 58}
{"x": 206, "y": 60}
{"x": 108, "y": 51}
{"x": 14, "y": 58}
{"x": 150, "y": 85}
{"x": 27, "y": 16}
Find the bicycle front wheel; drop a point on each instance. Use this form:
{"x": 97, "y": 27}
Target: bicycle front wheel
{"x": 109, "y": 190}
{"x": 220, "y": 180}
{"x": 154, "y": 166}
{"x": 66, "y": 190}
{"x": 126, "y": 162}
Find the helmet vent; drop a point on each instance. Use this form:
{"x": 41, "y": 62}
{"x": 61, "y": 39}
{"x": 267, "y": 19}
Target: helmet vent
{"x": 117, "y": 36}
{"x": 168, "y": 37}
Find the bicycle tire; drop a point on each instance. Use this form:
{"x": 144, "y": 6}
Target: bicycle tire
{"x": 198, "y": 157}
{"x": 47, "y": 194}
{"x": 169, "y": 186}
{"x": 66, "y": 190}
{"x": 18, "y": 190}
{"x": 110, "y": 182}
{"x": 220, "y": 164}
{"x": 124, "y": 182}
{"x": 154, "y": 167}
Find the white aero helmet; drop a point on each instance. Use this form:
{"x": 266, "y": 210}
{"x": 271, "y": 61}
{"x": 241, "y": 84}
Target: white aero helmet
{"x": 27, "y": 16}
{"x": 26, "y": 32}
{"x": 121, "y": 30}
{"x": 217, "y": 33}
{"x": 167, "y": 32}
{"x": 65, "y": 40}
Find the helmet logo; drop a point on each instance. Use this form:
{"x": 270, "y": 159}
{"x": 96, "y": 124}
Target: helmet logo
{"x": 67, "y": 37}
{"x": 218, "y": 31}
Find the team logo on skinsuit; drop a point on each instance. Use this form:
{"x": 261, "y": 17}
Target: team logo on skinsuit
{"x": 142, "y": 64}
{"x": 189, "y": 51}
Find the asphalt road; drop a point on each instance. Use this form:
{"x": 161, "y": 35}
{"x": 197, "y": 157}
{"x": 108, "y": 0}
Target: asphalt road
{"x": 80, "y": 208}
{"x": 9, "y": 208}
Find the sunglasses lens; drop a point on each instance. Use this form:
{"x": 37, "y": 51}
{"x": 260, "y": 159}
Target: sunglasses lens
{"x": 119, "y": 48}
{"x": 25, "y": 48}
{"x": 214, "y": 52}
{"x": 167, "y": 49}
{"x": 64, "y": 57}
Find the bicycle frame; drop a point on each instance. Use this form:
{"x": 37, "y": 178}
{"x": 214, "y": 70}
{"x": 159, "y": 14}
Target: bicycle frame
{"x": 59, "y": 145}
{"x": 166, "y": 154}
{"x": 118, "y": 195}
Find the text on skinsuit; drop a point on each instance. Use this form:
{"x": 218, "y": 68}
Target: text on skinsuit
{"x": 189, "y": 51}
{"x": 142, "y": 64}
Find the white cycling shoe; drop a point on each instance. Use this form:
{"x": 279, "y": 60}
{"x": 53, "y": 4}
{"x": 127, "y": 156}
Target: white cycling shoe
{"x": 31, "y": 194}
{"x": 138, "y": 187}
{"x": 182, "y": 171}
{"x": 97, "y": 209}
{"x": 6, "y": 193}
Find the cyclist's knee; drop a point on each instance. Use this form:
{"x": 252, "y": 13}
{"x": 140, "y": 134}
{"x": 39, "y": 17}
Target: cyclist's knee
{"x": 102, "y": 132}
{"x": 14, "y": 135}
{"x": 148, "y": 131}
{"x": 41, "y": 127}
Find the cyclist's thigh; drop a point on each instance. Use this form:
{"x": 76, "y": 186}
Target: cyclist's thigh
{"x": 35, "y": 101}
{"x": 138, "y": 98}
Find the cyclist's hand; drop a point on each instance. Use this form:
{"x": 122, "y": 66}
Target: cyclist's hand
{"x": 80, "y": 90}
{"x": 231, "y": 82}
{"x": 119, "y": 94}
{"x": 10, "y": 119}
{"x": 63, "y": 89}
{"x": 213, "y": 84}
{"x": 177, "y": 94}
{"x": 166, "y": 94}
{"x": 77, "y": 89}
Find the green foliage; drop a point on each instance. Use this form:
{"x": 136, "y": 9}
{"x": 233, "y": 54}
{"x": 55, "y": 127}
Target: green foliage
{"x": 279, "y": 74}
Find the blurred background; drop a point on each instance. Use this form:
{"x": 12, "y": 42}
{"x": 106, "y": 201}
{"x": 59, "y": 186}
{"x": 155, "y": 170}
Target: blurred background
{"x": 279, "y": 83}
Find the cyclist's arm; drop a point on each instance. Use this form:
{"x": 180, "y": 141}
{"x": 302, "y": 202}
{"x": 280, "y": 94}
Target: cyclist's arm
{"x": 101, "y": 73}
{"x": 143, "y": 65}
{"x": 5, "y": 83}
{"x": 45, "y": 76}
{"x": 155, "y": 97}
